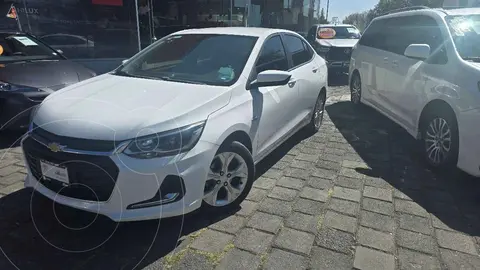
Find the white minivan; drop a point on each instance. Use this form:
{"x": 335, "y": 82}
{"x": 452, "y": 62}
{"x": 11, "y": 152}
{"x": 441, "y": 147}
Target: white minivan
{"x": 420, "y": 67}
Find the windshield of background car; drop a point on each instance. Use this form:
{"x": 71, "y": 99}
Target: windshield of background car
{"x": 465, "y": 32}
{"x": 193, "y": 58}
{"x": 338, "y": 32}
{"x": 15, "y": 47}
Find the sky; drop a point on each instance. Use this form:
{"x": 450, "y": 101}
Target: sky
{"x": 343, "y": 8}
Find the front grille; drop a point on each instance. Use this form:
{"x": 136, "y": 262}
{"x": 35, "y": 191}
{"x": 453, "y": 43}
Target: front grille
{"x": 338, "y": 54}
{"x": 73, "y": 143}
{"x": 91, "y": 178}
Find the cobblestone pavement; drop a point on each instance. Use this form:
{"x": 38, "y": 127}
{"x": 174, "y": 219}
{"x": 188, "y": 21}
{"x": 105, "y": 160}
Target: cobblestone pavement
{"x": 354, "y": 195}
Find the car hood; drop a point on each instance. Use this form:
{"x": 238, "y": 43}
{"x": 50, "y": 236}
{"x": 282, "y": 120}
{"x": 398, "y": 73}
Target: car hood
{"x": 344, "y": 43}
{"x": 110, "y": 107}
{"x": 53, "y": 74}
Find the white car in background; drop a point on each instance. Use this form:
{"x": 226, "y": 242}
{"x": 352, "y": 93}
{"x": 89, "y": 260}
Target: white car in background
{"x": 420, "y": 67}
{"x": 179, "y": 125}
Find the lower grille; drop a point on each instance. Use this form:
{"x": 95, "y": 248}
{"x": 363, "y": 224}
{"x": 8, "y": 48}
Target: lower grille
{"x": 339, "y": 54}
{"x": 91, "y": 178}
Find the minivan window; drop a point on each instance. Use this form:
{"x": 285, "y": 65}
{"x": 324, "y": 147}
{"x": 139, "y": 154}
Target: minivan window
{"x": 298, "y": 50}
{"x": 374, "y": 35}
{"x": 465, "y": 32}
{"x": 272, "y": 56}
{"x": 212, "y": 59}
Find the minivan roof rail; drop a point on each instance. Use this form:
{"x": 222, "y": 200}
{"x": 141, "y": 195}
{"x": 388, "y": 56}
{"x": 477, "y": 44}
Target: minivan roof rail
{"x": 406, "y": 9}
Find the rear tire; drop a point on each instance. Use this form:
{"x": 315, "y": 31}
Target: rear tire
{"x": 356, "y": 89}
{"x": 230, "y": 178}
{"x": 318, "y": 113}
{"x": 440, "y": 139}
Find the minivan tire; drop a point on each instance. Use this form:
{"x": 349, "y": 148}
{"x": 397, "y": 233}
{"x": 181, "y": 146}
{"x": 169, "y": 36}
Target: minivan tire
{"x": 432, "y": 139}
{"x": 356, "y": 89}
{"x": 241, "y": 154}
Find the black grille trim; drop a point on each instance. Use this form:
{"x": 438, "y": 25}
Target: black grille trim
{"x": 338, "y": 54}
{"x": 46, "y": 137}
{"x": 92, "y": 178}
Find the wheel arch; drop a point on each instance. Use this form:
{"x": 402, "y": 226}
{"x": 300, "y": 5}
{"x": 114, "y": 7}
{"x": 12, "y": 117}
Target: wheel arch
{"x": 241, "y": 137}
{"x": 433, "y": 105}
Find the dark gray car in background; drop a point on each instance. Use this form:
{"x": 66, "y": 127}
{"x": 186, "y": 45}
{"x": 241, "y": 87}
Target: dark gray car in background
{"x": 29, "y": 71}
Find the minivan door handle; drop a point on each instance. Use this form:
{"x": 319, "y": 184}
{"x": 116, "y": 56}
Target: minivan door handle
{"x": 314, "y": 70}
{"x": 385, "y": 60}
{"x": 291, "y": 84}
{"x": 395, "y": 63}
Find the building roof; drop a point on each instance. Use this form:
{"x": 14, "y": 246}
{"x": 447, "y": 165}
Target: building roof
{"x": 242, "y": 31}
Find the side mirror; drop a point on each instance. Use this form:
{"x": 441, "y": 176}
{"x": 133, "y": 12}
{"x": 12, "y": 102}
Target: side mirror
{"x": 418, "y": 51}
{"x": 124, "y": 61}
{"x": 271, "y": 78}
{"x": 59, "y": 51}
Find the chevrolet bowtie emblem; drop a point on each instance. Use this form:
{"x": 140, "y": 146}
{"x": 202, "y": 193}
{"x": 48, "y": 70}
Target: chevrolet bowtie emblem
{"x": 55, "y": 147}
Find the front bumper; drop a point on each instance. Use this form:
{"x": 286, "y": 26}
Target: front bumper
{"x": 469, "y": 148}
{"x": 135, "y": 195}
{"x": 15, "y": 109}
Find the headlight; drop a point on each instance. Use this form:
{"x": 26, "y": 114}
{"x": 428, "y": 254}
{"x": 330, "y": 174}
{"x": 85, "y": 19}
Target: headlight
{"x": 166, "y": 143}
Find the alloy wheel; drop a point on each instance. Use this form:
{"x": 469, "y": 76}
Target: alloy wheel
{"x": 356, "y": 90}
{"x": 438, "y": 141}
{"x": 319, "y": 111}
{"x": 227, "y": 178}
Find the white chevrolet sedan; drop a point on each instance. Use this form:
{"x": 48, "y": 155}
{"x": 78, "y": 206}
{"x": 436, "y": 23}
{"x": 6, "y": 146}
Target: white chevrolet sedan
{"x": 178, "y": 126}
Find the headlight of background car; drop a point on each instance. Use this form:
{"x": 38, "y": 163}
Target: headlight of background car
{"x": 166, "y": 143}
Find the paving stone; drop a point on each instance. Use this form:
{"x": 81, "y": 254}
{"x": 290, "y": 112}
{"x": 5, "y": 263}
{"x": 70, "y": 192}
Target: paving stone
{"x": 410, "y": 207}
{"x": 256, "y": 194}
{"x": 377, "y": 182}
{"x": 238, "y": 259}
{"x": 12, "y": 179}
{"x": 344, "y": 207}
{"x": 415, "y": 223}
{"x": 284, "y": 194}
{"x": 302, "y": 222}
{"x": 297, "y": 241}
{"x": 328, "y": 165}
{"x": 346, "y": 194}
{"x": 459, "y": 261}
{"x": 253, "y": 240}
{"x": 276, "y": 207}
{"x": 322, "y": 173}
{"x": 411, "y": 260}
{"x": 290, "y": 182}
{"x": 231, "y": 224}
{"x": 300, "y": 164}
{"x": 297, "y": 173}
{"x": 335, "y": 239}
{"x": 264, "y": 183}
{"x": 353, "y": 183}
{"x": 330, "y": 157}
{"x": 382, "y": 194}
{"x": 308, "y": 206}
{"x": 212, "y": 241}
{"x": 320, "y": 183}
{"x": 377, "y": 221}
{"x": 406, "y": 194}
{"x": 280, "y": 165}
{"x": 265, "y": 222}
{"x": 416, "y": 241}
{"x": 11, "y": 188}
{"x": 247, "y": 208}
{"x": 341, "y": 222}
{"x": 5, "y": 171}
{"x": 322, "y": 259}
{"x": 354, "y": 164}
{"x": 280, "y": 259}
{"x": 377, "y": 206}
{"x": 314, "y": 194}
{"x": 369, "y": 259}
{"x": 190, "y": 260}
{"x": 378, "y": 240}
{"x": 307, "y": 157}
{"x": 456, "y": 241}
{"x": 334, "y": 151}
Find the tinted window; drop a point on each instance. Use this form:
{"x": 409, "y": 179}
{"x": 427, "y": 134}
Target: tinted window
{"x": 374, "y": 35}
{"x": 465, "y": 31}
{"x": 193, "y": 58}
{"x": 272, "y": 56}
{"x": 22, "y": 47}
{"x": 298, "y": 50}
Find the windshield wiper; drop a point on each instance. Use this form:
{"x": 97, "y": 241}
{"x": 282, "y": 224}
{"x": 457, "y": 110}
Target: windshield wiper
{"x": 166, "y": 78}
{"x": 475, "y": 59}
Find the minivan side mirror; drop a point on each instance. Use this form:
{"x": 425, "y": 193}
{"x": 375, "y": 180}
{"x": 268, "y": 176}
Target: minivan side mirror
{"x": 271, "y": 78}
{"x": 418, "y": 51}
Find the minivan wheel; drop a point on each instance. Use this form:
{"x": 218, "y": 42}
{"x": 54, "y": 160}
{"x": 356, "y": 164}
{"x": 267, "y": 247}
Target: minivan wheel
{"x": 356, "y": 89}
{"x": 230, "y": 178}
{"x": 440, "y": 139}
{"x": 318, "y": 113}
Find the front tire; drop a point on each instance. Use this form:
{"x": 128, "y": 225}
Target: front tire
{"x": 230, "y": 178}
{"x": 440, "y": 139}
{"x": 356, "y": 89}
{"x": 318, "y": 113}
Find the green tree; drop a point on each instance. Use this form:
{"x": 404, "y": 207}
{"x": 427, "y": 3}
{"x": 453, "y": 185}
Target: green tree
{"x": 322, "y": 19}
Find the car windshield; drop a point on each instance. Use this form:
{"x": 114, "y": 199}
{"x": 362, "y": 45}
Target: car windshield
{"x": 192, "y": 58}
{"x": 338, "y": 32}
{"x": 465, "y": 32}
{"x": 17, "y": 47}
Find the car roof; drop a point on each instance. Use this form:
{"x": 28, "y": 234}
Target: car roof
{"x": 430, "y": 11}
{"x": 241, "y": 31}
{"x": 462, "y": 11}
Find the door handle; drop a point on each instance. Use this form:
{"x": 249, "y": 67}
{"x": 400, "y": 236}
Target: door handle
{"x": 395, "y": 63}
{"x": 314, "y": 70}
{"x": 291, "y": 84}
{"x": 385, "y": 60}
